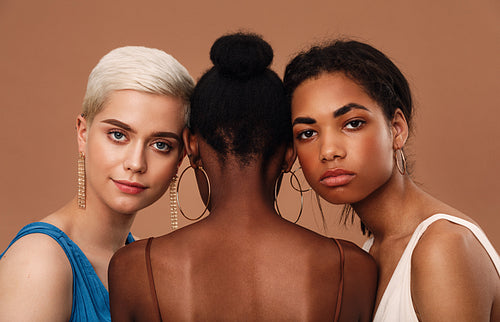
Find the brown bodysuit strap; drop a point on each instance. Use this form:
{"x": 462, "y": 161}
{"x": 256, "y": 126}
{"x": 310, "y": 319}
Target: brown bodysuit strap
{"x": 152, "y": 287}
{"x": 341, "y": 283}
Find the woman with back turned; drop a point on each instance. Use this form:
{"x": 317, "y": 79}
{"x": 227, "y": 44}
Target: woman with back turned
{"x": 242, "y": 262}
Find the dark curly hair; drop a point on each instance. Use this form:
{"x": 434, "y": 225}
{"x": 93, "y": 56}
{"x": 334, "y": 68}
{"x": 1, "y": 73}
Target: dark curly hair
{"x": 363, "y": 64}
{"x": 239, "y": 106}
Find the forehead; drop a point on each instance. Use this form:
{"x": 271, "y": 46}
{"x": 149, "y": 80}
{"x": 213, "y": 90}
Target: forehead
{"x": 144, "y": 109}
{"x": 329, "y": 92}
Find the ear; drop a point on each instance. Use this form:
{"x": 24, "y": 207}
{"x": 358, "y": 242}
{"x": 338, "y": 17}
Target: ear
{"x": 290, "y": 156}
{"x": 182, "y": 154}
{"x": 191, "y": 146}
{"x": 81, "y": 133}
{"x": 399, "y": 128}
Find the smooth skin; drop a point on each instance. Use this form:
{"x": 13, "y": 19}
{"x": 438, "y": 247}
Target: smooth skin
{"x": 243, "y": 261}
{"x": 338, "y": 126}
{"x": 136, "y": 138}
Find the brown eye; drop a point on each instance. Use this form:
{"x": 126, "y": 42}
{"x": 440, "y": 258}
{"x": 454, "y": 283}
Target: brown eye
{"x": 354, "y": 124}
{"x": 304, "y": 135}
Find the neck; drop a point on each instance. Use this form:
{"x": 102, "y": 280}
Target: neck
{"x": 241, "y": 193}
{"x": 100, "y": 226}
{"x": 392, "y": 211}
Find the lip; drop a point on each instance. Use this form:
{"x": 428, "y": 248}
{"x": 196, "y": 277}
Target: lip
{"x": 336, "y": 177}
{"x": 129, "y": 187}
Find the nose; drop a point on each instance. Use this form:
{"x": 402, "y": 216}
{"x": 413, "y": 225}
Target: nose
{"x": 331, "y": 148}
{"x": 135, "y": 159}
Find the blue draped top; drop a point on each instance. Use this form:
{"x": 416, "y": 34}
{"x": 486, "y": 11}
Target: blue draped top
{"x": 90, "y": 296}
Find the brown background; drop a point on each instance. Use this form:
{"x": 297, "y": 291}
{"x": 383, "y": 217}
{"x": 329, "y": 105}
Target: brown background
{"x": 449, "y": 50}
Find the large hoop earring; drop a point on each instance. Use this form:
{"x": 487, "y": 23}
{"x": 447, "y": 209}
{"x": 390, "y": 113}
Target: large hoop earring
{"x": 402, "y": 167}
{"x": 277, "y": 186}
{"x": 177, "y": 193}
{"x": 82, "y": 200}
{"x": 294, "y": 175}
{"x": 174, "y": 224}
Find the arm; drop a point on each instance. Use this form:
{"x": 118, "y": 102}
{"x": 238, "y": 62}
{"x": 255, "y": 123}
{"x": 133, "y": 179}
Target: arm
{"x": 360, "y": 283}
{"x": 36, "y": 281}
{"x": 452, "y": 277}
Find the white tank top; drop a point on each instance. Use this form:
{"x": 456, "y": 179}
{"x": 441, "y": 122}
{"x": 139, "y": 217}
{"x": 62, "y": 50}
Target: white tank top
{"x": 396, "y": 303}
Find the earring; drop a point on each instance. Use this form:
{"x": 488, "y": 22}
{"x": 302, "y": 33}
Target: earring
{"x": 173, "y": 203}
{"x": 277, "y": 186}
{"x": 81, "y": 181}
{"x": 402, "y": 167}
{"x": 293, "y": 175}
{"x": 177, "y": 193}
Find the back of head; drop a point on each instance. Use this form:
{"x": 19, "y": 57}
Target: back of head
{"x": 362, "y": 63}
{"x": 239, "y": 106}
{"x": 136, "y": 68}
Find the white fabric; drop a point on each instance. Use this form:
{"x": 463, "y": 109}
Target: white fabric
{"x": 396, "y": 303}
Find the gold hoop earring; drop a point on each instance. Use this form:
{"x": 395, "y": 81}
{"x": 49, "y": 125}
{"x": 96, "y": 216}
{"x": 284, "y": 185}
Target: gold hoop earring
{"x": 293, "y": 175}
{"x": 402, "y": 167}
{"x": 173, "y": 203}
{"x": 81, "y": 181}
{"x": 177, "y": 193}
{"x": 277, "y": 186}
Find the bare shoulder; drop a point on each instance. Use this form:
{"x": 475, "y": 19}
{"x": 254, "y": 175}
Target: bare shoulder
{"x": 129, "y": 254}
{"x": 127, "y": 265}
{"x": 360, "y": 282}
{"x": 356, "y": 253}
{"x": 448, "y": 260}
{"x": 35, "y": 270}
{"x": 444, "y": 241}
{"x": 36, "y": 251}
{"x": 128, "y": 282}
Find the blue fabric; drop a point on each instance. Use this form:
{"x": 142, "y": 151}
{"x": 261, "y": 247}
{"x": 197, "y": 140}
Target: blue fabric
{"x": 90, "y": 297}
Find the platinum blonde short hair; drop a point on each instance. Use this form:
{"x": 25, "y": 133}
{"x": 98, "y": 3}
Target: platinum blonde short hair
{"x": 136, "y": 68}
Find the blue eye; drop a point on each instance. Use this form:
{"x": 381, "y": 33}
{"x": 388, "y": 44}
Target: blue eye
{"x": 162, "y": 146}
{"x": 117, "y": 136}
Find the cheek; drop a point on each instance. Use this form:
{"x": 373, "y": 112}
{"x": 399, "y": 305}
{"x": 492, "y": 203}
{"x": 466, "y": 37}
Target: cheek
{"x": 163, "y": 171}
{"x": 376, "y": 151}
{"x": 309, "y": 161}
{"x": 100, "y": 156}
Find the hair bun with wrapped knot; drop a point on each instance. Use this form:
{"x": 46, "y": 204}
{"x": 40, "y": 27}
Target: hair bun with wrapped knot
{"x": 241, "y": 55}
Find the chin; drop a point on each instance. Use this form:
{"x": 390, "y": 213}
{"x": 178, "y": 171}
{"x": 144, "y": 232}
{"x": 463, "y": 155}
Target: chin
{"x": 337, "y": 198}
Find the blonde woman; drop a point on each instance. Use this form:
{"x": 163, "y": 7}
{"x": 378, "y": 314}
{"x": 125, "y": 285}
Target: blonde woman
{"x": 130, "y": 146}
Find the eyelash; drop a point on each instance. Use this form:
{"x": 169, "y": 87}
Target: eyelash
{"x": 167, "y": 146}
{"x": 112, "y": 133}
{"x": 302, "y": 133}
{"x": 361, "y": 123}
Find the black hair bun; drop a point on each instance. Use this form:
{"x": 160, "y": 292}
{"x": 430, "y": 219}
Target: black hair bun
{"x": 241, "y": 55}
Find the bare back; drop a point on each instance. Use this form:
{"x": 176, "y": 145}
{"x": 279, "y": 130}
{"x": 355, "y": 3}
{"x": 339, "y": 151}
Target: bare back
{"x": 272, "y": 272}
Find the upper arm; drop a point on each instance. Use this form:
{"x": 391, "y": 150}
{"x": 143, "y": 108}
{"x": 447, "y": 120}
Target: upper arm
{"x": 128, "y": 284}
{"x": 36, "y": 281}
{"x": 360, "y": 281}
{"x": 451, "y": 276}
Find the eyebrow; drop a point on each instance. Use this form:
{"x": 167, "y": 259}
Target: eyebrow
{"x": 341, "y": 111}
{"x": 303, "y": 120}
{"x": 127, "y": 127}
{"x": 347, "y": 108}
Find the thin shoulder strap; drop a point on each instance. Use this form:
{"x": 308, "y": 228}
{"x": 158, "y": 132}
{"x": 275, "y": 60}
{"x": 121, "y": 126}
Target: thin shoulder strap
{"x": 341, "y": 283}
{"x": 152, "y": 287}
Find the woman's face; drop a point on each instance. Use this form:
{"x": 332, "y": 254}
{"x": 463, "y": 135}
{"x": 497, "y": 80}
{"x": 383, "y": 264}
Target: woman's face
{"x": 132, "y": 148}
{"x": 343, "y": 140}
